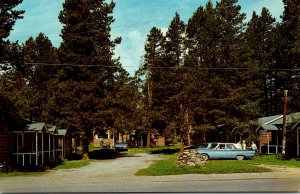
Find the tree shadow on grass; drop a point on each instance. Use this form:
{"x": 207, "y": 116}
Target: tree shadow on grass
{"x": 104, "y": 154}
{"x": 167, "y": 151}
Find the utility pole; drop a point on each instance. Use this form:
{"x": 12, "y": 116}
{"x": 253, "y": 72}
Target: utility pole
{"x": 284, "y": 122}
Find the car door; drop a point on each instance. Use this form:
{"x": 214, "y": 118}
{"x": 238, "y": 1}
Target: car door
{"x": 231, "y": 150}
{"x": 220, "y": 151}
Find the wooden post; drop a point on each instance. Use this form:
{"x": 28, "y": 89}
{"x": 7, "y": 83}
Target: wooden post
{"x": 53, "y": 143}
{"x": 284, "y": 122}
{"x": 49, "y": 146}
{"x": 268, "y": 140}
{"x": 298, "y": 141}
{"x": 17, "y": 148}
{"x": 43, "y": 148}
{"x": 36, "y": 149}
{"x": 113, "y": 139}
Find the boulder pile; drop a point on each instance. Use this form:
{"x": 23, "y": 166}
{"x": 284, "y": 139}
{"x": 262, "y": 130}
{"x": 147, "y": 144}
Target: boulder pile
{"x": 190, "y": 158}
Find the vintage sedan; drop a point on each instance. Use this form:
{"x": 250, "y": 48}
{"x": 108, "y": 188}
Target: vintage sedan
{"x": 121, "y": 146}
{"x": 216, "y": 150}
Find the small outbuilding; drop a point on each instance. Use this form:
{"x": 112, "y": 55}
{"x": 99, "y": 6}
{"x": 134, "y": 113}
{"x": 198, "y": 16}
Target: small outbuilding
{"x": 270, "y": 132}
{"x": 38, "y": 144}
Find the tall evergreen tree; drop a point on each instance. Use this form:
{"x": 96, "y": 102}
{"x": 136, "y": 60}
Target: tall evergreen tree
{"x": 153, "y": 60}
{"x": 9, "y": 53}
{"x": 172, "y": 77}
{"x": 88, "y": 80}
{"x": 8, "y": 17}
{"x": 290, "y": 33}
{"x": 259, "y": 38}
{"x": 40, "y": 58}
{"x": 230, "y": 56}
{"x": 203, "y": 37}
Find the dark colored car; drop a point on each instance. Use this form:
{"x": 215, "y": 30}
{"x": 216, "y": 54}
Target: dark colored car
{"x": 121, "y": 146}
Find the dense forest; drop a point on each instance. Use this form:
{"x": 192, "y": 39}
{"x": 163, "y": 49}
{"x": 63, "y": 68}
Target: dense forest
{"x": 217, "y": 69}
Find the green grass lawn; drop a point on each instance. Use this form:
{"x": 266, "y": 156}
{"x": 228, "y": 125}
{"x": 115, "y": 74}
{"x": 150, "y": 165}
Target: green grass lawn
{"x": 154, "y": 150}
{"x": 72, "y": 164}
{"x": 273, "y": 160}
{"x": 167, "y": 166}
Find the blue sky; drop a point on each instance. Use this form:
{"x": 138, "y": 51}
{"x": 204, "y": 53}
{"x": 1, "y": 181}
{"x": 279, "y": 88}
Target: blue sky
{"x": 133, "y": 21}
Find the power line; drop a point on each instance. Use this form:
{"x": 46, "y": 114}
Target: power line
{"x": 164, "y": 67}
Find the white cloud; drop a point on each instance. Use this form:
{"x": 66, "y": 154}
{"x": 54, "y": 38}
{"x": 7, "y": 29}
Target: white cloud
{"x": 40, "y": 16}
{"x": 131, "y": 50}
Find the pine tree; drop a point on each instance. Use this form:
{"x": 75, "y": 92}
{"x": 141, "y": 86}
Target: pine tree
{"x": 203, "y": 39}
{"x": 259, "y": 34}
{"x": 172, "y": 82}
{"x": 87, "y": 83}
{"x": 153, "y": 59}
{"x": 40, "y": 58}
{"x": 9, "y": 53}
{"x": 230, "y": 56}
{"x": 8, "y": 17}
{"x": 290, "y": 33}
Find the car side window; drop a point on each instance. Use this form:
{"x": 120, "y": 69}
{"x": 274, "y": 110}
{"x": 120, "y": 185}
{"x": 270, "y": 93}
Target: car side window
{"x": 229, "y": 146}
{"x": 222, "y": 146}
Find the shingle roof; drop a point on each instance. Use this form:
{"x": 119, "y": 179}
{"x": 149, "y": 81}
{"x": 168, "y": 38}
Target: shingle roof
{"x": 274, "y": 122}
{"x": 62, "y": 132}
{"x": 36, "y": 126}
{"x": 52, "y": 129}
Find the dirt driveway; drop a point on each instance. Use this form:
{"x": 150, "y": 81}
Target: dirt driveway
{"x": 116, "y": 170}
{"x": 118, "y": 175}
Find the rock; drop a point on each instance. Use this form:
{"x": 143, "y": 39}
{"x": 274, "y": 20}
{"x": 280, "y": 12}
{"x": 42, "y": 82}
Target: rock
{"x": 190, "y": 158}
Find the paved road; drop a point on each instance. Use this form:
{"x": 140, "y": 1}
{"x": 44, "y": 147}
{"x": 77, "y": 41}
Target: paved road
{"x": 118, "y": 176}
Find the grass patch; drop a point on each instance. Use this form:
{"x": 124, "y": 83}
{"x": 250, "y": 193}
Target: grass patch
{"x": 91, "y": 147}
{"x": 273, "y": 160}
{"x": 156, "y": 150}
{"x": 72, "y": 164}
{"x": 167, "y": 166}
{"x": 13, "y": 174}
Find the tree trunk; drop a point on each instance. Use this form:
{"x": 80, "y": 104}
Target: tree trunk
{"x": 148, "y": 138}
{"x": 284, "y": 123}
{"x": 181, "y": 142}
{"x": 85, "y": 149}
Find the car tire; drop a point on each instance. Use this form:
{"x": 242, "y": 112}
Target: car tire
{"x": 204, "y": 157}
{"x": 240, "y": 157}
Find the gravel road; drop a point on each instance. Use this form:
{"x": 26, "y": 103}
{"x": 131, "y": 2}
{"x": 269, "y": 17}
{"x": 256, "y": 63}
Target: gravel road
{"x": 111, "y": 171}
{"x": 118, "y": 175}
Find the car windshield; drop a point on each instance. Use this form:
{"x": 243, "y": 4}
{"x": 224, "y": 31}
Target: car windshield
{"x": 204, "y": 145}
{"x": 120, "y": 142}
{"x": 213, "y": 145}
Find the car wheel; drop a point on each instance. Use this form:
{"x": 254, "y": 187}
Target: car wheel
{"x": 240, "y": 157}
{"x": 205, "y": 157}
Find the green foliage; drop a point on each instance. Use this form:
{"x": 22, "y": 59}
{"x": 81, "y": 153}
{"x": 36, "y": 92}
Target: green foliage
{"x": 94, "y": 90}
{"x": 8, "y": 17}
